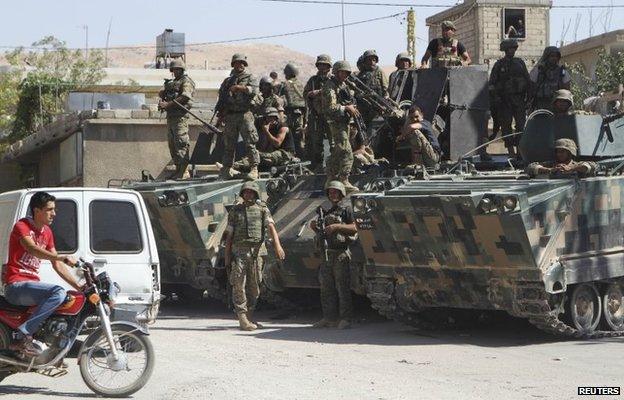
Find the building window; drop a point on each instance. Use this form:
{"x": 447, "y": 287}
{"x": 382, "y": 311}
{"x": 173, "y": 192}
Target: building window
{"x": 114, "y": 227}
{"x": 514, "y": 23}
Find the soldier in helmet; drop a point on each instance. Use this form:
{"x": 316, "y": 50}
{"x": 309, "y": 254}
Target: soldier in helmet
{"x": 265, "y": 99}
{"x": 337, "y": 105}
{"x": 563, "y": 163}
{"x": 446, "y": 51}
{"x": 547, "y": 77}
{"x": 276, "y": 144}
{"x": 291, "y": 91}
{"x": 234, "y": 108}
{"x": 247, "y": 226}
{"x": 334, "y": 275}
{"x": 400, "y": 81}
{"x": 509, "y": 82}
{"x": 373, "y": 77}
{"x": 563, "y": 102}
{"x": 180, "y": 90}
{"x": 316, "y": 129}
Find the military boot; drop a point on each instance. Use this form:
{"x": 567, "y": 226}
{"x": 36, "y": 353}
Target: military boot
{"x": 253, "y": 321}
{"x": 253, "y": 173}
{"x": 245, "y": 324}
{"x": 324, "y": 323}
{"x": 349, "y": 187}
{"x": 227, "y": 173}
{"x": 344, "y": 324}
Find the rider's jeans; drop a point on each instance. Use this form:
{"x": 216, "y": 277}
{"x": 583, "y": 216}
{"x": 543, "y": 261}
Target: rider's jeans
{"x": 47, "y": 296}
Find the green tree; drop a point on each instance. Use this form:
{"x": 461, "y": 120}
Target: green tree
{"x": 609, "y": 74}
{"x": 36, "y": 88}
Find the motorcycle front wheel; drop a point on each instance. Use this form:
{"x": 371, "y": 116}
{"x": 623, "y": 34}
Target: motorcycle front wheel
{"x": 119, "y": 377}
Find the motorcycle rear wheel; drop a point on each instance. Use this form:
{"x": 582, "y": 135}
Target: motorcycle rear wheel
{"x": 96, "y": 354}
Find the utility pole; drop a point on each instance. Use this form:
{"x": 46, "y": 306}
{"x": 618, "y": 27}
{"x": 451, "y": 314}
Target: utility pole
{"x": 411, "y": 35}
{"x": 344, "y": 47}
{"x": 110, "y": 23}
{"x": 86, "y": 28}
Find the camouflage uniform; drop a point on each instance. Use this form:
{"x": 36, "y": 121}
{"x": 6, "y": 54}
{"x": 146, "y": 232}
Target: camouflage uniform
{"x": 292, "y": 92}
{"x": 177, "y": 120}
{"x": 547, "y": 79}
{"x": 334, "y": 96}
{"x": 317, "y": 128}
{"x": 569, "y": 145}
{"x": 239, "y": 119}
{"x": 401, "y": 79}
{"x": 375, "y": 79}
{"x": 262, "y": 102}
{"x": 248, "y": 224}
{"x": 424, "y": 144}
{"x": 509, "y": 82}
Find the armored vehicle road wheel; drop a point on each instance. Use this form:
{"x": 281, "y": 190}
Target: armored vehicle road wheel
{"x": 584, "y": 308}
{"x": 613, "y": 307}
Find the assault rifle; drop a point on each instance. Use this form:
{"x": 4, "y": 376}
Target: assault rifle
{"x": 386, "y": 107}
{"x": 320, "y": 231}
{"x": 207, "y": 124}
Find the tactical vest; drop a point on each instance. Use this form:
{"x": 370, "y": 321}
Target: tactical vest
{"x": 175, "y": 88}
{"x": 293, "y": 94}
{"x": 511, "y": 79}
{"x": 239, "y": 101}
{"x": 249, "y": 229}
{"x": 317, "y": 82}
{"x": 373, "y": 79}
{"x": 549, "y": 80}
{"x": 447, "y": 55}
{"x": 337, "y": 240}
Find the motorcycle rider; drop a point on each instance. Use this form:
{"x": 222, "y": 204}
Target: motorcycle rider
{"x": 30, "y": 242}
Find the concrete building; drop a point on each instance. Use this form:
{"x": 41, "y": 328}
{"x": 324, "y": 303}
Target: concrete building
{"x": 586, "y": 51}
{"x": 482, "y": 24}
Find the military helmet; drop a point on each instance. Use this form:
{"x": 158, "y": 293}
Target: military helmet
{"x": 404, "y": 56}
{"x": 270, "y": 112}
{"x": 239, "y": 57}
{"x": 176, "y": 63}
{"x": 370, "y": 53}
{"x": 265, "y": 80}
{"x": 341, "y": 66}
{"x": 448, "y": 25}
{"x": 563, "y": 94}
{"x": 550, "y": 50}
{"x": 566, "y": 144}
{"x": 250, "y": 185}
{"x": 323, "y": 59}
{"x": 508, "y": 44}
{"x": 336, "y": 185}
{"x": 290, "y": 70}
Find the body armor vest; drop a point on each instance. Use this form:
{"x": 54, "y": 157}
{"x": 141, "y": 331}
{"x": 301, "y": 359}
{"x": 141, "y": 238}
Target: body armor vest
{"x": 512, "y": 79}
{"x": 549, "y": 80}
{"x": 249, "y": 229}
{"x": 447, "y": 55}
{"x": 373, "y": 79}
{"x": 173, "y": 89}
{"x": 337, "y": 241}
{"x": 239, "y": 101}
{"x": 293, "y": 94}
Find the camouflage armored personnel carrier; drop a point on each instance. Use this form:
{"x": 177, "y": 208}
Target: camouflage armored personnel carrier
{"x": 548, "y": 249}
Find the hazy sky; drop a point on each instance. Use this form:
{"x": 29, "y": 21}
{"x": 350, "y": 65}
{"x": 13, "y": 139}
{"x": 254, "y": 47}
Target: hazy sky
{"x": 138, "y": 22}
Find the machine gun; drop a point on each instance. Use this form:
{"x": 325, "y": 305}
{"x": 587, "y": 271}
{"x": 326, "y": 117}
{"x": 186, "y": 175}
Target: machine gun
{"x": 345, "y": 98}
{"x": 224, "y": 92}
{"x": 386, "y": 107}
{"x": 320, "y": 231}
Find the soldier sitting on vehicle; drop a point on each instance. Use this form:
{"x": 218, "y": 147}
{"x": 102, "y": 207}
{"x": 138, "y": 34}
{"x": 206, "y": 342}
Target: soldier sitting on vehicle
{"x": 275, "y": 144}
{"x": 265, "y": 99}
{"x": 563, "y": 102}
{"x": 420, "y": 133}
{"x": 363, "y": 154}
{"x": 563, "y": 163}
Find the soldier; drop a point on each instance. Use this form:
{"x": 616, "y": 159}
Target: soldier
{"x": 547, "y": 77}
{"x": 335, "y": 275}
{"x": 317, "y": 128}
{"x": 565, "y": 151}
{"x": 446, "y": 51}
{"x": 373, "y": 77}
{"x": 337, "y": 104}
{"x": 400, "y": 81}
{"x": 234, "y": 107}
{"x": 275, "y": 81}
{"x": 563, "y": 102}
{"x": 267, "y": 98}
{"x": 294, "y": 106}
{"x": 509, "y": 82}
{"x": 180, "y": 90}
{"x": 425, "y": 147}
{"x": 275, "y": 145}
{"x": 247, "y": 226}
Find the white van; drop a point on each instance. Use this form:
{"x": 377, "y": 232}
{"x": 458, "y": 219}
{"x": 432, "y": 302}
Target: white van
{"x": 109, "y": 227}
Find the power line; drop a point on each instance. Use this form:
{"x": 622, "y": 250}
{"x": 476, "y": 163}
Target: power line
{"x": 417, "y": 5}
{"x": 244, "y": 39}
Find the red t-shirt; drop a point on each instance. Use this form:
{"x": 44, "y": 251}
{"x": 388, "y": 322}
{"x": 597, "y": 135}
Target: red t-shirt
{"x": 23, "y": 266}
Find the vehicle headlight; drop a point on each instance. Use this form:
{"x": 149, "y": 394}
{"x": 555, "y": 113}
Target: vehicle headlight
{"x": 372, "y": 203}
{"x": 510, "y": 203}
{"x": 359, "y": 204}
{"x": 486, "y": 205}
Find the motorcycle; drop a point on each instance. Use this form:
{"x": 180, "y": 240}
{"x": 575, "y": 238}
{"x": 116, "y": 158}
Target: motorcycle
{"x": 116, "y": 359}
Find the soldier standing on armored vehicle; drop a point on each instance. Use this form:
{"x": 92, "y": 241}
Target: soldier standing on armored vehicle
{"x": 317, "y": 128}
{"x": 546, "y": 78}
{"x": 424, "y": 143}
{"x": 510, "y": 82}
{"x": 373, "y": 77}
{"x": 563, "y": 163}
{"x": 233, "y": 108}
{"x": 400, "y": 82}
{"x": 275, "y": 145}
{"x": 334, "y": 274}
{"x": 338, "y": 107}
{"x": 291, "y": 91}
{"x": 180, "y": 90}
{"x": 446, "y": 51}
{"x": 247, "y": 226}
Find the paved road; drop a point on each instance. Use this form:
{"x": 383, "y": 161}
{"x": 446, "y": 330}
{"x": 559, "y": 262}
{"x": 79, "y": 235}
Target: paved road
{"x": 201, "y": 355}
